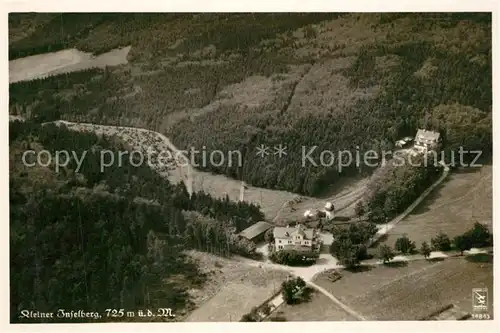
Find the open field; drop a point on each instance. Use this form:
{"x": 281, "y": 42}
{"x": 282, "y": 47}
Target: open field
{"x": 411, "y": 292}
{"x": 233, "y": 289}
{"x": 344, "y": 202}
{"x": 318, "y": 308}
{"x": 65, "y": 61}
{"x": 343, "y": 195}
{"x": 453, "y": 207}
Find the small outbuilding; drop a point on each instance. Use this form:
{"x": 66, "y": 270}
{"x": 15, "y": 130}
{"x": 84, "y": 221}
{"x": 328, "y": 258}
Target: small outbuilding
{"x": 256, "y": 232}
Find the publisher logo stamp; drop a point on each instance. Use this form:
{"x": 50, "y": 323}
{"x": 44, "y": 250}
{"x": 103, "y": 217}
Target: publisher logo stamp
{"x": 480, "y": 299}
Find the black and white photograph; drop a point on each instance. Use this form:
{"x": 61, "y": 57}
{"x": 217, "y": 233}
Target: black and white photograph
{"x": 169, "y": 167}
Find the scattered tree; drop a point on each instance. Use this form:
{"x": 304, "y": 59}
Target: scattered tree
{"x": 405, "y": 245}
{"x": 349, "y": 245}
{"x": 385, "y": 253}
{"x": 479, "y": 236}
{"x": 345, "y": 252}
{"x": 425, "y": 250}
{"x": 461, "y": 243}
{"x": 287, "y": 293}
{"x": 441, "y": 242}
{"x": 290, "y": 287}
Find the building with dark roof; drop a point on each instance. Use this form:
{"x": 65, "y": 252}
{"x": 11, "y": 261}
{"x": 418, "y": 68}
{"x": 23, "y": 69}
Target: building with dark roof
{"x": 256, "y": 232}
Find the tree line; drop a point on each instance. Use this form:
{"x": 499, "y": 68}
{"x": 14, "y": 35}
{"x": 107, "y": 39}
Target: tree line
{"x": 350, "y": 243}
{"x": 396, "y": 187}
{"x": 478, "y": 236}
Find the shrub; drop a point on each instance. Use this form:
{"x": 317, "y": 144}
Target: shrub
{"x": 248, "y": 317}
{"x": 252, "y": 316}
{"x": 294, "y": 257}
{"x": 265, "y": 309}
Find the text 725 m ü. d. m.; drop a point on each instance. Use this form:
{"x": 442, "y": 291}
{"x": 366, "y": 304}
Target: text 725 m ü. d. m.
{"x": 160, "y": 312}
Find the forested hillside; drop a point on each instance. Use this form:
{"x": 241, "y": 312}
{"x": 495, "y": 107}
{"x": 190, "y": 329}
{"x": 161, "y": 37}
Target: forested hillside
{"x": 235, "y": 82}
{"x": 93, "y": 240}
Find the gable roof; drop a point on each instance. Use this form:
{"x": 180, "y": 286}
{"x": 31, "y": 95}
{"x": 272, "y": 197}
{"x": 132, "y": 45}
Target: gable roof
{"x": 255, "y": 229}
{"x": 287, "y": 232}
{"x": 299, "y": 230}
{"x": 426, "y": 135}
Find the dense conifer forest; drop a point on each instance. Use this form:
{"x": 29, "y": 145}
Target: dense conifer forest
{"x": 91, "y": 240}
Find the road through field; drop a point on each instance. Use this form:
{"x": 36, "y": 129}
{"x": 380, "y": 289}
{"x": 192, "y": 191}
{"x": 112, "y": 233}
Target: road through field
{"x": 344, "y": 203}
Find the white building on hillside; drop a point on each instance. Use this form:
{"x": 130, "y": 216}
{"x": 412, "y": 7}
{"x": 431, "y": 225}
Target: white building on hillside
{"x": 298, "y": 237}
{"x": 427, "y": 140}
